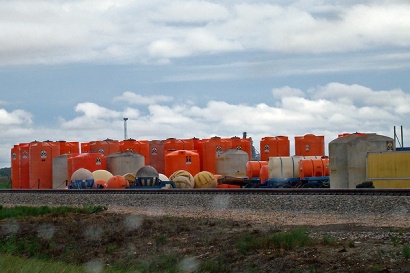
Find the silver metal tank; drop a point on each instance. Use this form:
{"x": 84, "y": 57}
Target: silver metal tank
{"x": 347, "y": 157}
{"x": 124, "y": 162}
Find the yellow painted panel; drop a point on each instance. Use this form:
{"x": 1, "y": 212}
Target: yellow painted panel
{"x": 388, "y": 165}
{"x": 385, "y": 184}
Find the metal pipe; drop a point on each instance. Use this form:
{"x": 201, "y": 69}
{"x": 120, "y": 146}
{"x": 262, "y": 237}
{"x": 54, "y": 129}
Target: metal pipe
{"x": 125, "y": 128}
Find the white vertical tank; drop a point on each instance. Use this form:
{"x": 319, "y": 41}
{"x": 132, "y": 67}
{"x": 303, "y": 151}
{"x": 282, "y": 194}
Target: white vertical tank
{"x": 232, "y": 162}
{"x": 124, "y": 162}
{"x": 347, "y": 157}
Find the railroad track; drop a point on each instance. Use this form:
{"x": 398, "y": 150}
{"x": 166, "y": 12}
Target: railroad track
{"x": 244, "y": 191}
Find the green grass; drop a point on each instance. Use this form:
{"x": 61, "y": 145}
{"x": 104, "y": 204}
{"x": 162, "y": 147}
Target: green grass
{"x": 287, "y": 240}
{"x": 11, "y": 264}
{"x": 26, "y": 211}
{"x": 406, "y": 251}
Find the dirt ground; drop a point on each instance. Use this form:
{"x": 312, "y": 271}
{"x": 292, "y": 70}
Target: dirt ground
{"x": 148, "y": 243}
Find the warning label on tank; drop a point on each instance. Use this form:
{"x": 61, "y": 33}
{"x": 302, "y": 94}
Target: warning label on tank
{"x": 389, "y": 146}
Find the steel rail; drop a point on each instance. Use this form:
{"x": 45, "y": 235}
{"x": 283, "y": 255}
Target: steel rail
{"x": 282, "y": 191}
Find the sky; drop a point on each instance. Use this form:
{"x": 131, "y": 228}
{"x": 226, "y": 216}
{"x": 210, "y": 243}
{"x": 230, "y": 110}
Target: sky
{"x": 72, "y": 70}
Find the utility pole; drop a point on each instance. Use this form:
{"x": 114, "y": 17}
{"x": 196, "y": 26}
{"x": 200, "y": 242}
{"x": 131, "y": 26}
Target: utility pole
{"x": 125, "y": 128}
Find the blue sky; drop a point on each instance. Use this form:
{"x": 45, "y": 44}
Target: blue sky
{"x": 71, "y": 70}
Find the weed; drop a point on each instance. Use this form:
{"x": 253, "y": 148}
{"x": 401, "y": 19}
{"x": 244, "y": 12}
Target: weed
{"x": 351, "y": 244}
{"x": 291, "y": 239}
{"x": 406, "y": 251}
{"x": 328, "y": 241}
{"x": 395, "y": 240}
{"x": 161, "y": 240}
{"x": 26, "y": 211}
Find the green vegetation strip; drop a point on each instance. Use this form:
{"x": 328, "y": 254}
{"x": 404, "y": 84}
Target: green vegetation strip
{"x": 25, "y": 211}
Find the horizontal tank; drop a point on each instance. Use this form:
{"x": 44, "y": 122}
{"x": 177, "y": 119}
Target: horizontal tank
{"x": 389, "y": 169}
{"x": 285, "y": 166}
{"x": 347, "y": 157}
{"x": 253, "y": 168}
{"x": 314, "y": 167}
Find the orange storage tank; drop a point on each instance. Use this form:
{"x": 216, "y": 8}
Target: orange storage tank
{"x": 157, "y": 155}
{"x": 314, "y": 167}
{"x": 274, "y": 146}
{"x": 211, "y": 148}
{"x": 15, "y": 167}
{"x": 106, "y": 147}
{"x": 310, "y": 145}
{"x": 253, "y": 168}
{"x": 243, "y": 144}
{"x": 41, "y": 156}
{"x": 85, "y": 147}
{"x": 182, "y": 160}
{"x": 24, "y": 166}
{"x": 89, "y": 161}
{"x": 136, "y": 146}
{"x": 69, "y": 147}
{"x": 264, "y": 173}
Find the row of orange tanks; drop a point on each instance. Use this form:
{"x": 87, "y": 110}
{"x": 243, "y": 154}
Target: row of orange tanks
{"x": 50, "y": 164}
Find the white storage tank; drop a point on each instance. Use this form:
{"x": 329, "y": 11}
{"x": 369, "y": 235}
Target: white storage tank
{"x": 347, "y": 157}
{"x": 232, "y": 162}
{"x": 124, "y": 162}
{"x": 286, "y": 166}
{"x": 62, "y": 170}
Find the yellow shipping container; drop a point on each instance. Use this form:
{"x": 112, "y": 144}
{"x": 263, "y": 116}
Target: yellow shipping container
{"x": 389, "y": 169}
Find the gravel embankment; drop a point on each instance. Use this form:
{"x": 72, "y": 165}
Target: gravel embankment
{"x": 388, "y": 211}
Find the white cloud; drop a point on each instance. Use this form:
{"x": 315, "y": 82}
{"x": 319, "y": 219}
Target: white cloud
{"x": 16, "y": 117}
{"x": 132, "y": 98}
{"x": 324, "y": 110}
{"x": 134, "y": 31}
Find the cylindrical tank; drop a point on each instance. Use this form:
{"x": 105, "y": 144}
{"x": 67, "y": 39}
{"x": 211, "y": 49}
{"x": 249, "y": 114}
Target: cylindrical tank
{"x": 211, "y": 149}
{"x": 243, "y": 144}
{"x": 106, "y": 147}
{"x": 264, "y": 173}
{"x": 89, "y": 161}
{"x": 253, "y": 168}
{"x": 178, "y": 144}
{"x": 182, "y": 160}
{"x": 124, "y": 162}
{"x": 15, "y": 167}
{"x": 62, "y": 170}
{"x": 274, "y": 146}
{"x": 157, "y": 156}
{"x": 310, "y": 145}
{"x": 232, "y": 162}
{"x": 347, "y": 157}
{"x": 314, "y": 167}
{"x": 136, "y": 146}
{"x": 285, "y": 166}
{"x": 41, "y": 156}
{"x": 24, "y": 170}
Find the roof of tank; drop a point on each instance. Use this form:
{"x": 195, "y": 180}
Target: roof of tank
{"x": 361, "y": 137}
